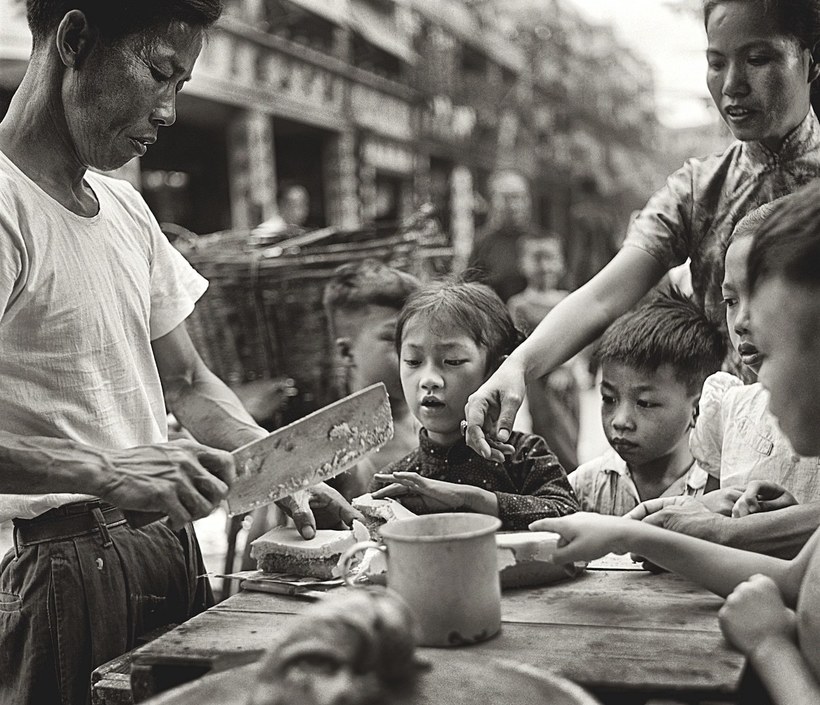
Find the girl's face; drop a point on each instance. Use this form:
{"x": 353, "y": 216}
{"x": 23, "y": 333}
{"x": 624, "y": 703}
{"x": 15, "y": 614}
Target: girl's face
{"x": 758, "y": 78}
{"x": 736, "y": 298}
{"x": 440, "y": 367}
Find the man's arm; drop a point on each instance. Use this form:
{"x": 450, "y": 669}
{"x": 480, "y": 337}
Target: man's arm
{"x": 183, "y": 480}
{"x": 201, "y": 401}
{"x": 214, "y": 415}
{"x": 780, "y": 533}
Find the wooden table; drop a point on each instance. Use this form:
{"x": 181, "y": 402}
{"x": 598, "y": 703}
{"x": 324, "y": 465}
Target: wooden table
{"x": 626, "y": 635}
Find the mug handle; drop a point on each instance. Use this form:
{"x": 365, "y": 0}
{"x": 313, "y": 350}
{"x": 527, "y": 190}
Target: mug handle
{"x": 348, "y": 555}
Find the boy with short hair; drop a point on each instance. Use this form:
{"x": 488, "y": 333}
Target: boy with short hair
{"x": 553, "y": 402}
{"x": 771, "y": 613}
{"x": 362, "y": 302}
{"x": 653, "y": 361}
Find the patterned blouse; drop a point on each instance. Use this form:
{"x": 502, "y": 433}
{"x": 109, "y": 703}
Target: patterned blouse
{"x": 737, "y": 440}
{"x": 694, "y": 214}
{"x": 530, "y": 485}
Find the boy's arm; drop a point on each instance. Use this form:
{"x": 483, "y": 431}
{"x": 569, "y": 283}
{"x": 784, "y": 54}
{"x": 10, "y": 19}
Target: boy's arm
{"x": 757, "y": 622}
{"x": 785, "y": 673}
{"x": 717, "y": 568}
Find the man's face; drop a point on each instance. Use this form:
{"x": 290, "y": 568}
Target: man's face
{"x": 118, "y": 95}
{"x": 511, "y": 200}
{"x": 786, "y": 326}
{"x": 295, "y": 206}
{"x": 371, "y": 335}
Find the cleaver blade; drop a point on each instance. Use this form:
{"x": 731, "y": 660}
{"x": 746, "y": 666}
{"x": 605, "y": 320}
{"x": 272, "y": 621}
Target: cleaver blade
{"x": 310, "y": 450}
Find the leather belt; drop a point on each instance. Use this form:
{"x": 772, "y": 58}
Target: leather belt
{"x": 69, "y": 521}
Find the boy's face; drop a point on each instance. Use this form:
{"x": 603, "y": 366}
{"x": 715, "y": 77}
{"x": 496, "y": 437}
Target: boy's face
{"x": 542, "y": 263}
{"x": 736, "y": 299}
{"x": 369, "y": 337}
{"x": 786, "y": 323}
{"x": 645, "y": 414}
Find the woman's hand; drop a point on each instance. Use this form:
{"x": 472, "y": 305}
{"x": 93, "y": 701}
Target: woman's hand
{"x": 424, "y": 495}
{"x": 755, "y": 613}
{"x": 762, "y": 496}
{"x": 585, "y": 536}
{"x": 490, "y": 411}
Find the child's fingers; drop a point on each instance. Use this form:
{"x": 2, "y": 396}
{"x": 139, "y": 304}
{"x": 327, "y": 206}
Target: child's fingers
{"x": 395, "y": 489}
{"x": 549, "y": 524}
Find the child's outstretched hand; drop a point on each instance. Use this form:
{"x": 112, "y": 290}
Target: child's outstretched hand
{"x": 762, "y": 496}
{"x": 585, "y": 536}
{"x": 755, "y": 613}
{"x": 424, "y": 495}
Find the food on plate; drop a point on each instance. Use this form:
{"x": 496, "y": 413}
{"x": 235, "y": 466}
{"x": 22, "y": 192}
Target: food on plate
{"x": 378, "y": 512}
{"x": 283, "y": 550}
{"x": 525, "y": 559}
{"x": 357, "y": 648}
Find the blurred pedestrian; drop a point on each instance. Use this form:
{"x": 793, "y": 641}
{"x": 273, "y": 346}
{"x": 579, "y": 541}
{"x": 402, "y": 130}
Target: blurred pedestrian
{"x": 553, "y": 401}
{"x": 496, "y": 251}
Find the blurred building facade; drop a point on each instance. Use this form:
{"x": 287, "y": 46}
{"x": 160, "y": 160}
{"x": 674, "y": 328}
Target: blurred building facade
{"x": 376, "y": 106}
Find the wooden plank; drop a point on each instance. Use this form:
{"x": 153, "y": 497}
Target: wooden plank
{"x": 596, "y": 598}
{"x": 652, "y": 659}
{"x": 616, "y": 598}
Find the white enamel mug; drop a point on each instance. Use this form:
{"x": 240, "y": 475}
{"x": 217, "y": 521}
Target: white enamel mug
{"x": 445, "y": 566}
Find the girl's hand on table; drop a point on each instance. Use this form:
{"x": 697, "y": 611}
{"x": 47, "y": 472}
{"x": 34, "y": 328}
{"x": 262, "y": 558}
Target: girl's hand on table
{"x": 755, "y": 613}
{"x": 762, "y": 496}
{"x": 425, "y": 495}
{"x": 585, "y": 536}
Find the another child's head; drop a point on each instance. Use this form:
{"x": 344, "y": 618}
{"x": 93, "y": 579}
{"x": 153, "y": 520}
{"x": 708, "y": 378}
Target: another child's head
{"x": 362, "y": 302}
{"x": 761, "y": 66}
{"x": 541, "y": 261}
{"x": 654, "y": 361}
{"x": 735, "y": 289}
{"x": 784, "y": 282}
{"x": 450, "y": 337}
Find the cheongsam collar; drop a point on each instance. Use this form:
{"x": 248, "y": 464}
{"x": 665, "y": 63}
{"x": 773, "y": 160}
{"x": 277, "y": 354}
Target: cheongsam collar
{"x": 802, "y": 139}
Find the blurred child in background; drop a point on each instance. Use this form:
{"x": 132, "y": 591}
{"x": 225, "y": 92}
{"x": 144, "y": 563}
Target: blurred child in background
{"x": 362, "y": 303}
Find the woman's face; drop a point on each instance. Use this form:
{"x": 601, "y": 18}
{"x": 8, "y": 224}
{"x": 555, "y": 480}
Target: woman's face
{"x": 758, "y": 77}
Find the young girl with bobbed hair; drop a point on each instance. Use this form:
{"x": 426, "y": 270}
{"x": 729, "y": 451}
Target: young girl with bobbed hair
{"x": 762, "y": 64}
{"x": 450, "y": 338}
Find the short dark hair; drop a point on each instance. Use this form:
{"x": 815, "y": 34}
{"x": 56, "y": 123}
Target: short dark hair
{"x": 356, "y": 285}
{"x": 787, "y": 244}
{"x": 469, "y": 306}
{"x": 671, "y": 329}
{"x": 115, "y": 19}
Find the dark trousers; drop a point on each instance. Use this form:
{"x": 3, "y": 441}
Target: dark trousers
{"x": 69, "y": 604}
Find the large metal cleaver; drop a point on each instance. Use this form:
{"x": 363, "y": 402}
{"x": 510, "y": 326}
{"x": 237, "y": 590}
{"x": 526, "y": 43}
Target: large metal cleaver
{"x": 310, "y": 450}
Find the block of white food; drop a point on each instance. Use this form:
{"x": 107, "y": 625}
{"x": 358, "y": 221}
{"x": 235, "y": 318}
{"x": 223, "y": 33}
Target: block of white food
{"x": 525, "y": 559}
